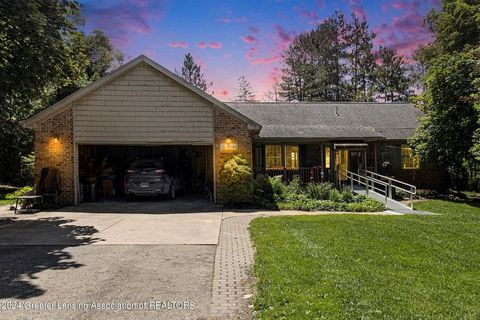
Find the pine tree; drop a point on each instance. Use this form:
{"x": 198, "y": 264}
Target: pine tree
{"x": 245, "y": 90}
{"x": 313, "y": 68}
{"x": 361, "y": 59}
{"x": 192, "y": 73}
{"x": 391, "y": 81}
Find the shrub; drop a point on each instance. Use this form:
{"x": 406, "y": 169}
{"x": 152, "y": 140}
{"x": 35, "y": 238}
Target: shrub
{"x": 237, "y": 180}
{"x": 17, "y": 193}
{"x": 319, "y": 191}
{"x": 347, "y": 196}
{"x": 334, "y": 195}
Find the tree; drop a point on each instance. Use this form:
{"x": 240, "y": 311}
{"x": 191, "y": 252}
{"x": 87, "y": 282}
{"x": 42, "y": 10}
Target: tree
{"x": 36, "y": 54}
{"x": 245, "y": 90}
{"x": 313, "y": 68}
{"x": 450, "y": 130}
{"x": 390, "y": 76}
{"x": 192, "y": 73}
{"x": 361, "y": 59}
{"x": 43, "y": 57}
{"x": 101, "y": 54}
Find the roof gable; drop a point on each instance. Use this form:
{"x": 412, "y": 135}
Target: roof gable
{"x": 65, "y": 103}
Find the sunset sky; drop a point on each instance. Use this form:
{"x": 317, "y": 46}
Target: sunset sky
{"x": 234, "y": 38}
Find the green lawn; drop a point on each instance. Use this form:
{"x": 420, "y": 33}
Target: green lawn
{"x": 370, "y": 267}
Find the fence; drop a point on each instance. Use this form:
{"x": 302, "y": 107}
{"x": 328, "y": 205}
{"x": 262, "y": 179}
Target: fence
{"x": 311, "y": 174}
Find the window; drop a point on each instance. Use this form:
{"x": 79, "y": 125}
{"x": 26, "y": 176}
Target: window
{"x": 327, "y": 157}
{"x": 409, "y": 160}
{"x": 291, "y": 157}
{"x": 273, "y": 156}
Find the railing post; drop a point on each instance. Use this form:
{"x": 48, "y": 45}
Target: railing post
{"x": 411, "y": 198}
{"x": 386, "y": 198}
{"x": 351, "y": 182}
{"x": 390, "y": 188}
{"x": 366, "y": 185}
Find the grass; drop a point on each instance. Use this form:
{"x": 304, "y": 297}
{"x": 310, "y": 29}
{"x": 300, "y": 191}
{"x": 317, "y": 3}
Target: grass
{"x": 370, "y": 267}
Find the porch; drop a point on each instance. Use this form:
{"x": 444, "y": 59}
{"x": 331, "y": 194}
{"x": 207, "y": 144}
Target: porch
{"x": 321, "y": 161}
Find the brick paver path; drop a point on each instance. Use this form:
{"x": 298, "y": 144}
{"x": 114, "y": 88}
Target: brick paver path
{"x": 232, "y": 279}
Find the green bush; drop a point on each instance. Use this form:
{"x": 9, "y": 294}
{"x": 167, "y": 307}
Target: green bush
{"x": 319, "y": 191}
{"x": 17, "y": 193}
{"x": 236, "y": 178}
{"x": 335, "y": 195}
{"x": 347, "y": 196}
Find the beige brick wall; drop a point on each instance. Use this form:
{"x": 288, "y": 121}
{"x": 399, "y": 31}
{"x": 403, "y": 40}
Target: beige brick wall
{"x": 58, "y": 154}
{"x": 227, "y": 126}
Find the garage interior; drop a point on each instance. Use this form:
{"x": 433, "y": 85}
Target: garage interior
{"x": 102, "y": 169}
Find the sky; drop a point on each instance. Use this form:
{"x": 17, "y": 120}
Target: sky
{"x": 230, "y": 39}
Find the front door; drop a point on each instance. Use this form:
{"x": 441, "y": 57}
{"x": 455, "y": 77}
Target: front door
{"x": 356, "y": 160}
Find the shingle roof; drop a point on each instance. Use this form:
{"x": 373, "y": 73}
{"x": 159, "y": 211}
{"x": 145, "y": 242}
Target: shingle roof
{"x": 332, "y": 120}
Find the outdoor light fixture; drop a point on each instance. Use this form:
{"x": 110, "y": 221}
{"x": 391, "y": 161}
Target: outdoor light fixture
{"x": 229, "y": 144}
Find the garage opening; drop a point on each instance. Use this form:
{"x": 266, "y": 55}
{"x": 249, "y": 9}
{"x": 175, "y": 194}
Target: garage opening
{"x": 108, "y": 172}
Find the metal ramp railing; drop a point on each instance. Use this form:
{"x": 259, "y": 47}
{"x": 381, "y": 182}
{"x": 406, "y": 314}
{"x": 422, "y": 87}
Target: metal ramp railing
{"x": 377, "y": 183}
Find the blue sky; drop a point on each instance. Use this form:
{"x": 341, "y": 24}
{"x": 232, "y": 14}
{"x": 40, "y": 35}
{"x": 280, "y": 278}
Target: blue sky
{"x": 234, "y": 38}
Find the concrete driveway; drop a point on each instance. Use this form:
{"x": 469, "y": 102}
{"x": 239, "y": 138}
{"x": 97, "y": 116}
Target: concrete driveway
{"x": 148, "y": 222}
{"x": 149, "y": 263}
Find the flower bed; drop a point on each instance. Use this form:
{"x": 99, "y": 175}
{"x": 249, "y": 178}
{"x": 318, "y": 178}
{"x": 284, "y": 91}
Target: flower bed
{"x": 274, "y": 193}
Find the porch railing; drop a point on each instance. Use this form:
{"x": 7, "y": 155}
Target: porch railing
{"x": 305, "y": 174}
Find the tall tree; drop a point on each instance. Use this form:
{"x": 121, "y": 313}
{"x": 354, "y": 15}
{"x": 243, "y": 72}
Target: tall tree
{"x": 101, "y": 54}
{"x": 245, "y": 90}
{"x": 36, "y": 54}
{"x": 192, "y": 73}
{"x": 313, "y": 68}
{"x": 361, "y": 59}
{"x": 390, "y": 76}
{"x": 450, "y": 128}
{"x": 43, "y": 57}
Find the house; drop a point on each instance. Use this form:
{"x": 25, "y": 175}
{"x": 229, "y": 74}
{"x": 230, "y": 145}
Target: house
{"x": 142, "y": 110}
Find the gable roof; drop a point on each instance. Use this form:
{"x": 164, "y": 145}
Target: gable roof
{"x": 343, "y": 120}
{"x": 64, "y": 103}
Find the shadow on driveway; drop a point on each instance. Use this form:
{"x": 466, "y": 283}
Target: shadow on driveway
{"x": 20, "y": 263}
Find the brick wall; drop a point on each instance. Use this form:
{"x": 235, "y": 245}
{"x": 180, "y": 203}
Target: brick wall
{"x": 227, "y": 126}
{"x": 59, "y": 154}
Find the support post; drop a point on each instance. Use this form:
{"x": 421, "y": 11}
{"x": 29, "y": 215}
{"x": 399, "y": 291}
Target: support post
{"x": 411, "y": 198}
{"x": 390, "y": 188}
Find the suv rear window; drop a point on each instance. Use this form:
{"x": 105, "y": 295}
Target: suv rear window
{"x": 145, "y": 165}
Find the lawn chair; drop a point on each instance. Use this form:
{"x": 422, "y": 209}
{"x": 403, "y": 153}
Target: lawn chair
{"x": 49, "y": 187}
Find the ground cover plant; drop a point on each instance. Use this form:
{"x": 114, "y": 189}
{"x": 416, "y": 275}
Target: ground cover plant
{"x": 293, "y": 195}
{"x": 370, "y": 266}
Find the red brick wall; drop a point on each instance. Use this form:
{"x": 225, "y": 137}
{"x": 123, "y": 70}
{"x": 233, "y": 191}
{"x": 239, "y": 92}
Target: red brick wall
{"x": 227, "y": 126}
{"x": 58, "y": 154}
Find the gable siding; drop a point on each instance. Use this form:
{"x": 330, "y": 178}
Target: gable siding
{"x": 143, "y": 107}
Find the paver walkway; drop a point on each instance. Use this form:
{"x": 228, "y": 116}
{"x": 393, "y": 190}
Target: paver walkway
{"x": 232, "y": 282}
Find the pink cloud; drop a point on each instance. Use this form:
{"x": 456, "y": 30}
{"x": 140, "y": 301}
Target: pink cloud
{"x": 253, "y": 30}
{"x": 227, "y": 55}
{"x": 215, "y": 45}
{"x": 202, "y": 45}
{"x": 250, "y": 56}
{"x": 119, "y": 19}
{"x": 233, "y": 20}
{"x": 248, "y": 39}
{"x": 356, "y": 7}
{"x": 284, "y": 37}
{"x": 308, "y": 14}
{"x": 321, "y": 3}
{"x": 412, "y": 22}
{"x": 178, "y": 44}
{"x": 224, "y": 93}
